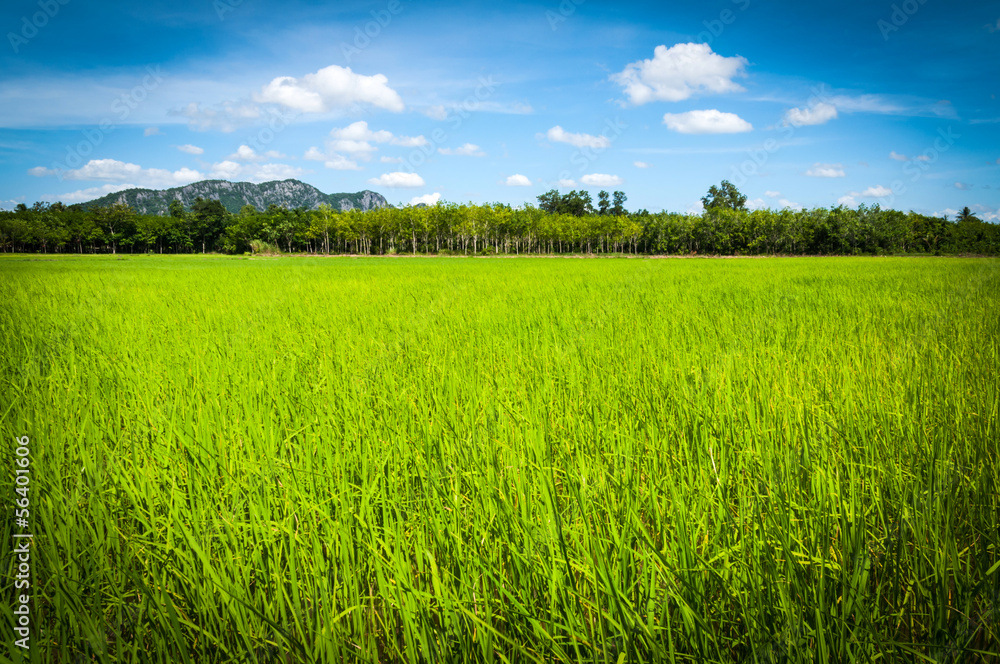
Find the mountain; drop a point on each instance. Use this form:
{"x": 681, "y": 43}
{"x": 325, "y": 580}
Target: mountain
{"x": 234, "y": 195}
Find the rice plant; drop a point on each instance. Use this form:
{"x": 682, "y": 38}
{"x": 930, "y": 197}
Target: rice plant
{"x": 506, "y": 460}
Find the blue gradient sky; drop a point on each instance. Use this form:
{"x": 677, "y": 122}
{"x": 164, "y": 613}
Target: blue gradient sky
{"x": 799, "y": 104}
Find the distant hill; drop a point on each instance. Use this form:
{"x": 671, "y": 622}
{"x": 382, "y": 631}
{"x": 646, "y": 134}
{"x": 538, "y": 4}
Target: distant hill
{"x": 234, "y": 195}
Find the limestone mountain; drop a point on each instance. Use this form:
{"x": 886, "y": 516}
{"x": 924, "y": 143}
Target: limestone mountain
{"x": 234, "y": 195}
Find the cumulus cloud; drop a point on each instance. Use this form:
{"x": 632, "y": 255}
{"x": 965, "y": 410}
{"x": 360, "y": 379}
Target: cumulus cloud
{"x": 772, "y": 194}
{"x": 826, "y": 171}
{"x": 851, "y": 199}
{"x": 231, "y": 170}
{"x": 878, "y": 191}
{"x": 426, "y": 199}
{"x": 330, "y": 88}
{"x": 640, "y": 164}
{"x": 84, "y": 195}
{"x": 114, "y": 171}
{"x": 245, "y": 153}
{"x": 559, "y": 135}
{"x": 898, "y": 157}
{"x": 706, "y": 122}
{"x": 785, "y": 203}
{"x": 357, "y": 138}
{"x": 398, "y": 179}
{"x": 676, "y": 73}
{"x": 518, "y": 180}
{"x": 467, "y": 150}
{"x": 339, "y": 162}
{"x": 567, "y": 184}
{"x": 190, "y": 149}
{"x": 817, "y": 114}
{"x": 601, "y": 180}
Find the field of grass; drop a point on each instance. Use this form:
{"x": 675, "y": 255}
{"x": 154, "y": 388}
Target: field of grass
{"x": 490, "y": 460}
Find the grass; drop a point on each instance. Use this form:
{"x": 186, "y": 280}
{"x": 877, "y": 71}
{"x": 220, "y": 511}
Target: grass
{"x": 326, "y": 460}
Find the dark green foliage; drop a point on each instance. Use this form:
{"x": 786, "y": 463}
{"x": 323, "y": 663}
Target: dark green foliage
{"x": 724, "y": 196}
{"x": 563, "y": 224}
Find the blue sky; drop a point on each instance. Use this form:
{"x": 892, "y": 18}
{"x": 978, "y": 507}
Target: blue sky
{"x": 798, "y": 104}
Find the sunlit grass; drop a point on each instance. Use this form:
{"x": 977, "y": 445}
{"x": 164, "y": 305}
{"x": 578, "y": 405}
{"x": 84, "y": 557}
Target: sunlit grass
{"x": 507, "y": 459}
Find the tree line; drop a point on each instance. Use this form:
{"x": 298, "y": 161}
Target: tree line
{"x": 560, "y": 224}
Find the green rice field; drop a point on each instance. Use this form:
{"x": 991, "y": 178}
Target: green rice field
{"x": 503, "y": 459}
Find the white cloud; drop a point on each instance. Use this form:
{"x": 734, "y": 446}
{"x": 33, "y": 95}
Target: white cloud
{"x": 785, "y": 203}
{"x": 878, "y": 191}
{"x": 559, "y": 135}
{"x": 151, "y": 131}
{"x": 112, "y": 170}
{"x": 817, "y": 114}
{"x": 676, "y": 73}
{"x": 426, "y": 199}
{"x": 84, "y": 195}
{"x": 946, "y": 212}
{"x": 467, "y": 150}
{"x": 245, "y": 153}
{"x": 706, "y": 122}
{"x": 391, "y": 160}
{"x": 898, "y": 157}
{"x": 772, "y": 194}
{"x": 331, "y": 88}
{"x": 409, "y": 141}
{"x": 986, "y": 213}
{"x": 756, "y": 204}
{"x": 964, "y": 186}
{"x": 339, "y": 162}
{"x": 851, "y": 199}
{"x": 438, "y": 112}
{"x": 924, "y": 157}
{"x": 230, "y": 170}
{"x": 518, "y": 180}
{"x": 41, "y": 171}
{"x": 640, "y": 164}
{"x": 397, "y": 179}
{"x": 190, "y": 149}
{"x": 567, "y": 184}
{"x": 826, "y": 171}
{"x": 357, "y": 139}
{"x": 225, "y": 117}
{"x": 601, "y": 180}
{"x": 314, "y": 154}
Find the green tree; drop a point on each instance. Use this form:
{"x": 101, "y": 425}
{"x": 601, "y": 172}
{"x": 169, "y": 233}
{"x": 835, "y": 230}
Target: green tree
{"x": 724, "y": 196}
{"x": 618, "y": 209}
{"x": 603, "y": 202}
{"x": 966, "y": 215}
